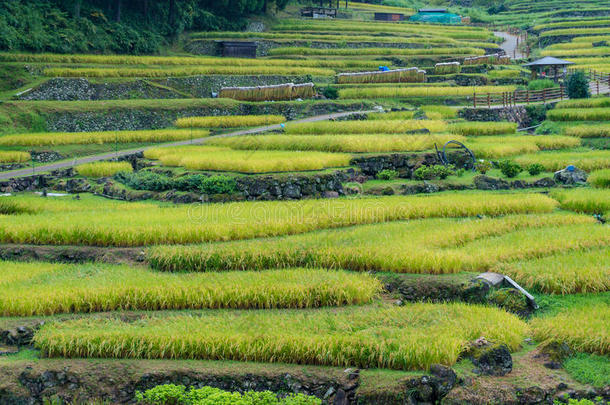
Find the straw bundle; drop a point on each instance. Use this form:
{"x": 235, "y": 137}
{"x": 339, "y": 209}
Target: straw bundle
{"x": 286, "y": 91}
{"x": 410, "y": 75}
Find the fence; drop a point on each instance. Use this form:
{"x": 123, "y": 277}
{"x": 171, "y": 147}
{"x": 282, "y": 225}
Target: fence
{"x": 599, "y": 82}
{"x": 507, "y": 99}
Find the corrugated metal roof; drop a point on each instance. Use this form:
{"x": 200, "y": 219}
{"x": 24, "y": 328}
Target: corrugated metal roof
{"x": 432, "y": 10}
{"x": 549, "y": 61}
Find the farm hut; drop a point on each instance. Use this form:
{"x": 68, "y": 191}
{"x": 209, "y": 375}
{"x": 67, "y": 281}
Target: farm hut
{"x": 389, "y": 17}
{"x": 549, "y": 67}
{"x": 436, "y": 15}
{"x": 239, "y": 49}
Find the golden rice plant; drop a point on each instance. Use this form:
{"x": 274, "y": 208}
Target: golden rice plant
{"x": 553, "y": 161}
{"x": 482, "y": 128}
{"x": 363, "y": 127}
{"x": 374, "y": 51}
{"x": 410, "y": 75}
{"x": 600, "y": 130}
{"x": 600, "y": 102}
{"x": 435, "y": 112}
{"x": 573, "y": 31}
{"x": 447, "y": 68}
{"x": 187, "y": 71}
{"x": 579, "y": 114}
{"x": 229, "y": 121}
{"x": 428, "y": 246}
{"x": 101, "y": 222}
{"x": 590, "y": 201}
{"x": 493, "y": 59}
{"x": 392, "y": 115}
{"x": 579, "y": 23}
{"x": 570, "y": 272}
{"x": 9, "y": 156}
{"x": 503, "y": 146}
{"x": 600, "y": 178}
{"x": 433, "y": 91}
{"x": 103, "y": 169}
{"x": 91, "y": 138}
{"x": 45, "y": 289}
{"x": 584, "y": 328}
{"x": 593, "y": 51}
{"x": 385, "y": 336}
{"x": 206, "y": 158}
{"x": 337, "y": 143}
{"x": 287, "y": 91}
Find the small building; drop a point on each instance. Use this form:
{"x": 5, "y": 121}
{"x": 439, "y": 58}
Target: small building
{"x": 389, "y": 17}
{"x": 549, "y": 67}
{"x": 436, "y": 15}
{"x": 319, "y": 12}
{"x": 239, "y": 49}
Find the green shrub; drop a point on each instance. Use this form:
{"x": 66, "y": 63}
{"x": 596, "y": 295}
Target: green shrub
{"x": 483, "y": 166}
{"x": 145, "y": 180}
{"x": 541, "y": 84}
{"x": 548, "y": 128}
{"x": 432, "y": 172}
{"x": 535, "y": 169}
{"x": 578, "y": 86}
{"x": 387, "y": 174}
{"x": 509, "y": 168}
{"x": 218, "y": 185}
{"x": 171, "y": 394}
{"x": 330, "y": 92}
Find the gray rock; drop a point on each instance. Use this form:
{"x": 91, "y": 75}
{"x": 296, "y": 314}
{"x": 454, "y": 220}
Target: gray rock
{"x": 545, "y": 182}
{"x": 492, "y": 360}
{"x": 483, "y": 182}
{"x": 570, "y": 176}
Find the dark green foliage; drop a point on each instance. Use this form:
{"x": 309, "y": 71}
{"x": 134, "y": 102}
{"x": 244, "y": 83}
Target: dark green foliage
{"x": 330, "y": 92}
{"x": 541, "y": 84}
{"x": 537, "y": 113}
{"x": 151, "y": 181}
{"x": 578, "y": 86}
{"x": 218, "y": 185}
{"x": 483, "y": 166}
{"x": 589, "y": 369}
{"x": 548, "y": 128}
{"x": 145, "y": 180}
{"x": 509, "y": 168}
{"x": 535, "y": 169}
{"x": 432, "y": 172}
{"x": 509, "y": 299}
{"x": 387, "y": 174}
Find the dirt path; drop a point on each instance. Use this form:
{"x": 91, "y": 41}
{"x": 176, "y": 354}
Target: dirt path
{"x": 510, "y": 45}
{"x": 95, "y": 158}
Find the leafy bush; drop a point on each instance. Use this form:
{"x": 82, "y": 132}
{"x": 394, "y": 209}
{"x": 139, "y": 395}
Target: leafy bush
{"x": 387, "y": 174}
{"x": 535, "y": 169}
{"x": 432, "y": 172}
{"x": 578, "y": 86}
{"x": 548, "y": 128}
{"x": 171, "y": 394}
{"x": 145, "y": 180}
{"x": 509, "y": 168}
{"x": 483, "y": 166}
{"x": 218, "y": 185}
{"x": 541, "y": 84}
{"x": 330, "y": 92}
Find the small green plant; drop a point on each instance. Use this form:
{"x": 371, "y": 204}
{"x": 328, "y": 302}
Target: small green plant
{"x": 483, "y": 166}
{"x": 548, "y": 128}
{"x": 509, "y": 168}
{"x": 330, "y": 92}
{"x": 387, "y": 174}
{"x": 433, "y": 172}
{"x": 541, "y": 84}
{"x": 578, "y": 86}
{"x": 535, "y": 169}
{"x": 218, "y": 185}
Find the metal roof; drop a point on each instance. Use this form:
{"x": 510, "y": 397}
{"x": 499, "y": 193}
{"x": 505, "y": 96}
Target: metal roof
{"x": 432, "y": 10}
{"x": 549, "y": 61}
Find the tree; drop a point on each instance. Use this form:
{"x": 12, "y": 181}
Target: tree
{"x": 578, "y": 86}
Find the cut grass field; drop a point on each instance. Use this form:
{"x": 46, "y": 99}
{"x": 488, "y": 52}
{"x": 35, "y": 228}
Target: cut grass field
{"x": 565, "y": 273}
{"x": 556, "y": 160}
{"x": 431, "y": 246}
{"x": 225, "y": 159}
{"x": 103, "y": 169}
{"x": 99, "y": 222}
{"x": 432, "y": 91}
{"x": 364, "y": 127}
{"x": 411, "y": 337}
{"x": 86, "y": 138}
{"x": 229, "y": 121}
{"x": 45, "y": 289}
{"x": 337, "y": 143}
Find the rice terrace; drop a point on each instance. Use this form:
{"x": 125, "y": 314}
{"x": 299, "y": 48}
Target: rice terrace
{"x": 304, "y": 202}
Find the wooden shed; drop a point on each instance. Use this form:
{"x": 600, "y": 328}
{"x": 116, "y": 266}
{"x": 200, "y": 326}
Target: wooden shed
{"x": 239, "y": 49}
{"x": 389, "y": 17}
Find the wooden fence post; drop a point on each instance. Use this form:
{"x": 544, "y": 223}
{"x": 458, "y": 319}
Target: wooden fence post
{"x": 488, "y": 100}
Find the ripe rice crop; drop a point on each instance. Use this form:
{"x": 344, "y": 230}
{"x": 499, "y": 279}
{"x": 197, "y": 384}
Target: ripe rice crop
{"x": 493, "y": 59}
{"x": 90, "y": 138}
{"x": 411, "y": 337}
{"x": 503, "y": 146}
{"x": 337, "y": 143}
{"x": 206, "y": 158}
{"x": 103, "y": 169}
{"x": 483, "y": 128}
{"x": 504, "y": 74}
{"x": 585, "y": 103}
{"x": 45, "y": 289}
{"x": 574, "y": 32}
{"x": 228, "y": 121}
{"x": 432, "y": 91}
{"x": 10, "y": 156}
{"x": 553, "y": 161}
{"x": 435, "y": 246}
{"x": 410, "y": 75}
{"x": 363, "y": 127}
{"x": 579, "y": 23}
{"x": 287, "y": 91}
{"x": 600, "y": 50}
{"x": 600, "y": 178}
{"x": 186, "y": 71}
{"x": 585, "y": 328}
{"x": 565, "y": 273}
{"x": 374, "y": 51}
{"x": 590, "y": 201}
{"x": 392, "y": 115}
{"x": 585, "y": 130}
{"x": 434, "y": 112}
{"x": 95, "y": 221}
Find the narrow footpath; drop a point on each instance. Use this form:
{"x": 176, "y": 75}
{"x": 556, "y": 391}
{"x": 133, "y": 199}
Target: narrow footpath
{"x": 510, "y": 44}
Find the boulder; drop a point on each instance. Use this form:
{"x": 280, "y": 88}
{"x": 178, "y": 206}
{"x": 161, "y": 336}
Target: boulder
{"x": 570, "y": 176}
{"x": 491, "y": 359}
{"x": 544, "y": 182}
{"x": 483, "y": 182}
